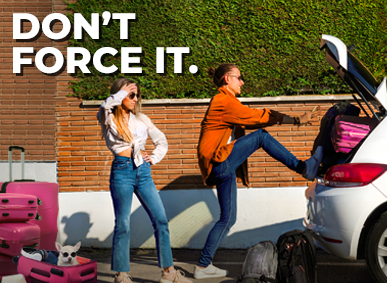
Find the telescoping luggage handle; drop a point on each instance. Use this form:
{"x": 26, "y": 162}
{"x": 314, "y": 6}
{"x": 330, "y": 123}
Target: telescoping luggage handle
{"x": 10, "y": 162}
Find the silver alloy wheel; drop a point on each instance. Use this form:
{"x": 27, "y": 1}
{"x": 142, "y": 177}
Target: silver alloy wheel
{"x": 382, "y": 252}
{"x": 376, "y": 249}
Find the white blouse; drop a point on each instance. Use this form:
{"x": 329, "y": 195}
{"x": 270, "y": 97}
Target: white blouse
{"x": 139, "y": 125}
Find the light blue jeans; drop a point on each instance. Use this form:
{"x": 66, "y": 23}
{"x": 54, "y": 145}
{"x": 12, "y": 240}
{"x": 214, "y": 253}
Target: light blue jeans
{"x": 126, "y": 178}
{"x": 224, "y": 177}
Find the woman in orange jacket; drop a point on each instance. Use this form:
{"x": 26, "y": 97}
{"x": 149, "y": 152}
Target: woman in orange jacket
{"x": 223, "y": 150}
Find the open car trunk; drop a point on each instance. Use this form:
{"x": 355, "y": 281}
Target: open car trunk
{"x": 369, "y": 95}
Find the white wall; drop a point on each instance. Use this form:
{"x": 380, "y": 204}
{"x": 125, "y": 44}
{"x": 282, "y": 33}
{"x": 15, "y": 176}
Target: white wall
{"x": 38, "y": 171}
{"x": 263, "y": 214}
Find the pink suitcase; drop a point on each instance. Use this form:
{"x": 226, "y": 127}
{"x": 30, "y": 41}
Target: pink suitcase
{"x": 15, "y": 236}
{"x": 47, "y": 193}
{"x": 43, "y": 272}
{"x": 348, "y": 131}
{"x": 48, "y": 211}
{"x": 18, "y": 208}
{"x": 7, "y": 267}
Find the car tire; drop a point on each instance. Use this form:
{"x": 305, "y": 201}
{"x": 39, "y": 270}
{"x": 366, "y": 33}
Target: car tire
{"x": 376, "y": 249}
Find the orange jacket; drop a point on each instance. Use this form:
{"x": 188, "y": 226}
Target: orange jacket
{"x": 223, "y": 114}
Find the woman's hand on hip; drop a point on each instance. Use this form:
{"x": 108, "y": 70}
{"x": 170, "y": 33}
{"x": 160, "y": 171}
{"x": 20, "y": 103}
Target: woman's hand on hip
{"x": 146, "y": 157}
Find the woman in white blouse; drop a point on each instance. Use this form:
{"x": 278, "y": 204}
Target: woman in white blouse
{"x": 125, "y": 130}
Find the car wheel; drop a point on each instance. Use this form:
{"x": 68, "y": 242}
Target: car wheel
{"x": 376, "y": 249}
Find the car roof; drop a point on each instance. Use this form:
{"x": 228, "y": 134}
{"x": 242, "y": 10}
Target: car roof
{"x": 353, "y": 71}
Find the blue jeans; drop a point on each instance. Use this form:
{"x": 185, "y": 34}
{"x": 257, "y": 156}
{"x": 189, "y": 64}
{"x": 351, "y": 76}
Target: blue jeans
{"x": 224, "y": 177}
{"x": 126, "y": 178}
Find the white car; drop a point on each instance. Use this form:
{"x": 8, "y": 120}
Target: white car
{"x": 347, "y": 207}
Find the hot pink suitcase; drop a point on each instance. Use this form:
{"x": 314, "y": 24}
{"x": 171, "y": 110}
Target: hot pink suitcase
{"x": 43, "y": 272}
{"x": 47, "y": 193}
{"x": 18, "y": 208}
{"x": 348, "y": 131}
{"x": 15, "y": 236}
{"x": 48, "y": 211}
{"x": 7, "y": 267}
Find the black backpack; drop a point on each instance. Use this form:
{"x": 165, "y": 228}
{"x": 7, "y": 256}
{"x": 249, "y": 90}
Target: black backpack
{"x": 296, "y": 258}
{"x": 260, "y": 264}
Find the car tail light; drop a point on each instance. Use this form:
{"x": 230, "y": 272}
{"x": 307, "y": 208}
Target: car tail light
{"x": 353, "y": 175}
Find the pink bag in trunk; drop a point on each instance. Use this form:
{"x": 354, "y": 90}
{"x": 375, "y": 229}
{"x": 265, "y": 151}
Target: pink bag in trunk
{"x": 348, "y": 131}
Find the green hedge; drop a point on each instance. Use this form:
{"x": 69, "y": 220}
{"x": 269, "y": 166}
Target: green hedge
{"x": 274, "y": 43}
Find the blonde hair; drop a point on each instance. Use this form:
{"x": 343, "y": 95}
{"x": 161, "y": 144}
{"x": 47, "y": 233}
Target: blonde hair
{"x": 119, "y": 118}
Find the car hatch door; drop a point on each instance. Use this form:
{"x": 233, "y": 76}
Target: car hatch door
{"x": 359, "y": 78}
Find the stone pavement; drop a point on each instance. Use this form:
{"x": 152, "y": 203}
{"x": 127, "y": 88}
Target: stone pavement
{"x": 144, "y": 266}
{"x": 144, "y": 269}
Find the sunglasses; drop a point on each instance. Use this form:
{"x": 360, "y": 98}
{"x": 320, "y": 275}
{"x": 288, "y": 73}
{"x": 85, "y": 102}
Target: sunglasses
{"x": 66, "y": 254}
{"x": 132, "y": 95}
{"x": 240, "y": 78}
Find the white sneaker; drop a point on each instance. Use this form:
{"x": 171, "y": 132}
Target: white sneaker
{"x": 209, "y": 272}
{"x": 35, "y": 254}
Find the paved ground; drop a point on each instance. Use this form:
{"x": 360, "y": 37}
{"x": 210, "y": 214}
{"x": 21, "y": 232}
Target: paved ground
{"x": 144, "y": 267}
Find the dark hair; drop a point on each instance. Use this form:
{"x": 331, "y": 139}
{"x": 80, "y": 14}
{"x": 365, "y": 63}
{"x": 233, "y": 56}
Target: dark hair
{"x": 220, "y": 72}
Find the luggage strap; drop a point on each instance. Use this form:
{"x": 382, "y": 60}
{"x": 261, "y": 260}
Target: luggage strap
{"x": 4, "y": 187}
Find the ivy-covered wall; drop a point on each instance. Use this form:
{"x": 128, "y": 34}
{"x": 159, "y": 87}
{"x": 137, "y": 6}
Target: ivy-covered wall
{"x": 275, "y": 43}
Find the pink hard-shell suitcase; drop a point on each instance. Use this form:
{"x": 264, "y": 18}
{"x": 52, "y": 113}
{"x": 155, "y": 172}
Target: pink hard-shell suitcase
{"x": 348, "y": 131}
{"x": 43, "y": 272}
{"x": 18, "y": 208}
{"x": 15, "y": 236}
{"x": 7, "y": 267}
{"x": 46, "y": 192}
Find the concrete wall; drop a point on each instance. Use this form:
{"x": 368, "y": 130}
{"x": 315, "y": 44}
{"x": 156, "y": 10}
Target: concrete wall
{"x": 38, "y": 171}
{"x": 263, "y": 214}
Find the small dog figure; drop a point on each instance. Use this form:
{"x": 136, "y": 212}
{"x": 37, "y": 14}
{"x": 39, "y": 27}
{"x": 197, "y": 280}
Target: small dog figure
{"x": 67, "y": 254}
